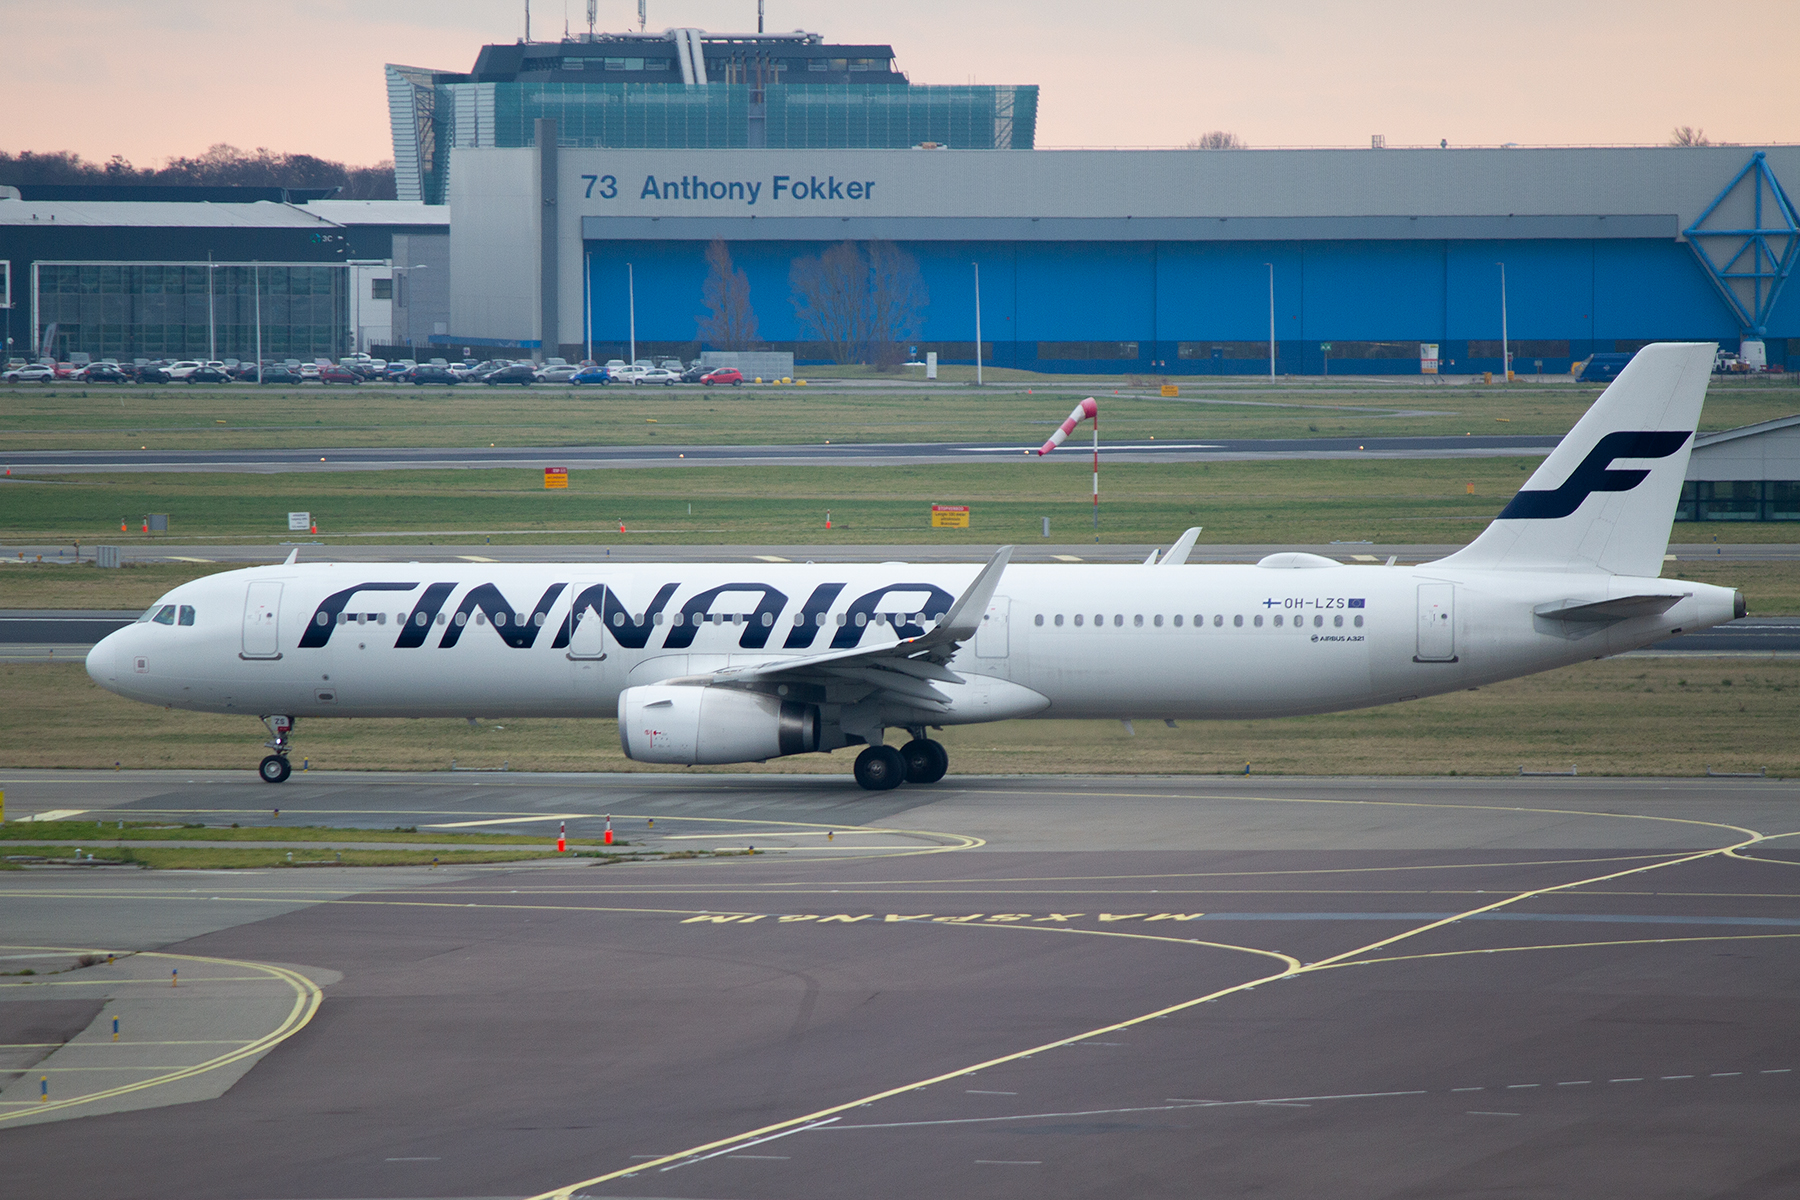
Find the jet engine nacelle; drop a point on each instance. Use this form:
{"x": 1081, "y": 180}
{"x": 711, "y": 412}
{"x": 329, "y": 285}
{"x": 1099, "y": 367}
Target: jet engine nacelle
{"x": 694, "y": 726}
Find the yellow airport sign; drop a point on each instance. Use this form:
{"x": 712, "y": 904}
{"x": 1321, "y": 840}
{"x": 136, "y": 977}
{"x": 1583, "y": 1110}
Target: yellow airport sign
{"x": 949, "y": 516}
{"x": 556, "y": 477}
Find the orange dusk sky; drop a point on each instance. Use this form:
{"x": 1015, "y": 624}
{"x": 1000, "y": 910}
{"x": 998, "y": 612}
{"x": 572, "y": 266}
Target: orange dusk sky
{"x": 156, "y": 81}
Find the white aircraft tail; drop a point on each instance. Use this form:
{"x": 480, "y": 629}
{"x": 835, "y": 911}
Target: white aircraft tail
{"x": 1605, "y": 498}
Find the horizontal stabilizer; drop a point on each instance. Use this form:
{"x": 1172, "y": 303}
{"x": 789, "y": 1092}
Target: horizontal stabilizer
{"x": 1619, "y": 608}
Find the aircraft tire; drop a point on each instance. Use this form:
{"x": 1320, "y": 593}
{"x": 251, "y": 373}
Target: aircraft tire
{"x": 926, "y": 760}
{"x": 275, "y": 769}
{"x": 880, "y": 768}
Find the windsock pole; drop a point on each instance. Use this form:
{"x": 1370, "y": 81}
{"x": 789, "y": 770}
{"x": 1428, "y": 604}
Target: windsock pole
{"x": 1088, "y": 409}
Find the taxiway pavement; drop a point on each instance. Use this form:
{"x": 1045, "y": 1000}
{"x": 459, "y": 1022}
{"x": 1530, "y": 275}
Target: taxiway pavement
{"x": 1063, "y": 987}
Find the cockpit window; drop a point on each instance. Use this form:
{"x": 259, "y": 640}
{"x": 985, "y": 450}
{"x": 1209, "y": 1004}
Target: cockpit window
{"x": 149, "y": 613}
{"x": 187, "y": 614}
{"x": 165, "y": 615}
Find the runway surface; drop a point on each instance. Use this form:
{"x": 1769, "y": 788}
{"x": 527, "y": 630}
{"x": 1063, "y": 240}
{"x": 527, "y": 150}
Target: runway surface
{"x": 1062, "y": 987}
{"x": 388, "y": 458}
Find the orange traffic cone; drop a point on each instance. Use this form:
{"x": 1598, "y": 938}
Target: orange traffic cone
{"x": 315, "y": 527}
{"x": 562, "y": 837}
{"x": 121, "y": 527}
{"x": 146, "y": 527}
{"x": 607, "y": 838}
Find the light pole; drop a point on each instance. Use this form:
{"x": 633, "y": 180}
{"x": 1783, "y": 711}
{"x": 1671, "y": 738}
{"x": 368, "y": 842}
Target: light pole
{"x": 1505, "y": 349}
{"x": 1271, "y": 267}
{"x": 977, "y": 267}
{"x": 631, "y": 306}
{"x": 212, "y": 338}
{"x": 587, "y": 315}
{"x": 256, "y": 289}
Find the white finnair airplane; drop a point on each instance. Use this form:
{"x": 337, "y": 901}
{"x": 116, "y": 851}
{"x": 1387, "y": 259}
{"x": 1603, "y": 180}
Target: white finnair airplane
{"x": 710, "y": 663}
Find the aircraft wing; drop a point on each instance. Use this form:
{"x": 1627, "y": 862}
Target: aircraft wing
{"x": 906, "y": 668}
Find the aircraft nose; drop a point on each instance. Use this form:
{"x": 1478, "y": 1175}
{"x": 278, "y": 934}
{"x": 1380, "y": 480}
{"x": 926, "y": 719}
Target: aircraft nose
{"x": 103, "y": 661}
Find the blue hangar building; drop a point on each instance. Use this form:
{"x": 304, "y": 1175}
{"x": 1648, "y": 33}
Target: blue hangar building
{"x": 1177, "y": 262}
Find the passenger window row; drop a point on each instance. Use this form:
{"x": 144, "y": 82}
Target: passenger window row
{"x": 767, "y": 619}
{"x": 1138, "y": 620}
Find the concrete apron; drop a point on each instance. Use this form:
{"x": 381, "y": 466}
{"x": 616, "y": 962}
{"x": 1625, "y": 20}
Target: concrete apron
{"x": 181, "y": 1042}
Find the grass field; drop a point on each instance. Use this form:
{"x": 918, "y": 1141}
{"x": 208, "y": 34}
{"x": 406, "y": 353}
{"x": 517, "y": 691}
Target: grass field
{"x": 179, "y": 418}
{"x": 190, "y": 858}
{"x": 143, "y": 831}
{"x": 1625, "y": 716}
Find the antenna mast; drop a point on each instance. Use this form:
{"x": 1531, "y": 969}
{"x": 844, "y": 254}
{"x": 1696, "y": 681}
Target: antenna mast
{"x": 593, "y": 15}
{"x": 643, "y": 16}
{"x": 759, "y": 16}
{"x": 528, "y": 21}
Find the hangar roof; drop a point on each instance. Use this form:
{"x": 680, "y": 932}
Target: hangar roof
{"x": 100, "y": 214}
{"x": 380, "y": 212}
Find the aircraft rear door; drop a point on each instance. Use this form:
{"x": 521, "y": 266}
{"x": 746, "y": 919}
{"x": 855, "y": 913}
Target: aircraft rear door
{"x": 1437, "y": 623}
{"x": 262, "y": 631}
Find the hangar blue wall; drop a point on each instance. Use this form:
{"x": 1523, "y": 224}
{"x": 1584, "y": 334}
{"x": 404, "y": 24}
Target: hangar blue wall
{"x": 1178, "y": 300}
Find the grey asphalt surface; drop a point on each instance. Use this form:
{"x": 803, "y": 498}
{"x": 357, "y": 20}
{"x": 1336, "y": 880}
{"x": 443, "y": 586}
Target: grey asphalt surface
{"x": 510, "y": 1032}
{"x": 390, "y": 458}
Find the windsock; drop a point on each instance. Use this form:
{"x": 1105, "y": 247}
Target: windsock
{"x": 1087, "y": 408}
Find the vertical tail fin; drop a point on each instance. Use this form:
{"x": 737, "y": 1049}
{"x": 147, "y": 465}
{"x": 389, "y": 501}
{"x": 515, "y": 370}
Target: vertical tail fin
{"x": 1605, "y": 498}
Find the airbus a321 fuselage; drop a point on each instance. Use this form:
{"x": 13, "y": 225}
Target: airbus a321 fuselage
{"x": 713, "y": 663}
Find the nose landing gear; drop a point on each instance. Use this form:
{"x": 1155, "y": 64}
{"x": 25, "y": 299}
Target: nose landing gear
{"x": 275, "y": 768}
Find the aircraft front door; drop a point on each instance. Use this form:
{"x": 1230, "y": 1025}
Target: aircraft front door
{"x": 262, "y": 615}
{"x": 991, "y": 637}
{"x": 1437, "y": 623}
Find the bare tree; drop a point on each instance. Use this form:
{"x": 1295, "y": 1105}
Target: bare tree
{"x": 831, "y": 299}
{"x": 862, "y": 302}
{"x": 896, "y": 306}
{"x": 730, "y": 323}
{"x": 1687, "y": 135}
{"x": 221, "y": 165}
{"x": 1217, "y": 139}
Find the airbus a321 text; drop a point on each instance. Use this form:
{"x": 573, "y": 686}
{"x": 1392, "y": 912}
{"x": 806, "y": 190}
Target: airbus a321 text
{"x": 711, "y": 663}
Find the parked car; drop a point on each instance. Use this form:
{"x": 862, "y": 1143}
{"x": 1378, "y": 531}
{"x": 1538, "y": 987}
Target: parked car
{"x": 151, "y": 373}
{"x": 182, "y": 368}
{"x": 309, "y": 373}
{"x": 660, "y": 375}
{"x": 431, "y": 373}
{"x": 591, "y": 375}
{"x": 671, "y": 364}
{"x": 35, "y": 373}
{"x": 207, "y": 374}
{"x": 693, "y": 374}
{"x": 278, "y": 374}
{"x": 729, "y": 375}
{"x": 69, "y": 370}
{"x": 519, "y": 373}
{"x": 556, "y": 374}
{"x": 104, "y": 373}
{"x": 338, "y": 374}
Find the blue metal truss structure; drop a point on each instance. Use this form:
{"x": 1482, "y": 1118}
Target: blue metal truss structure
{"x": 1747, "y": 268}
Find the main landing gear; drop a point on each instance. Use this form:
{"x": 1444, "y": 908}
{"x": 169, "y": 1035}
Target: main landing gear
{"x": 882, "y": 768}
{"x": 275, "y": 768}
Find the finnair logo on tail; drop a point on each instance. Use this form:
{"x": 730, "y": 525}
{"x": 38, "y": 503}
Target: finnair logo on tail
{"x": 1595, "y": 474}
